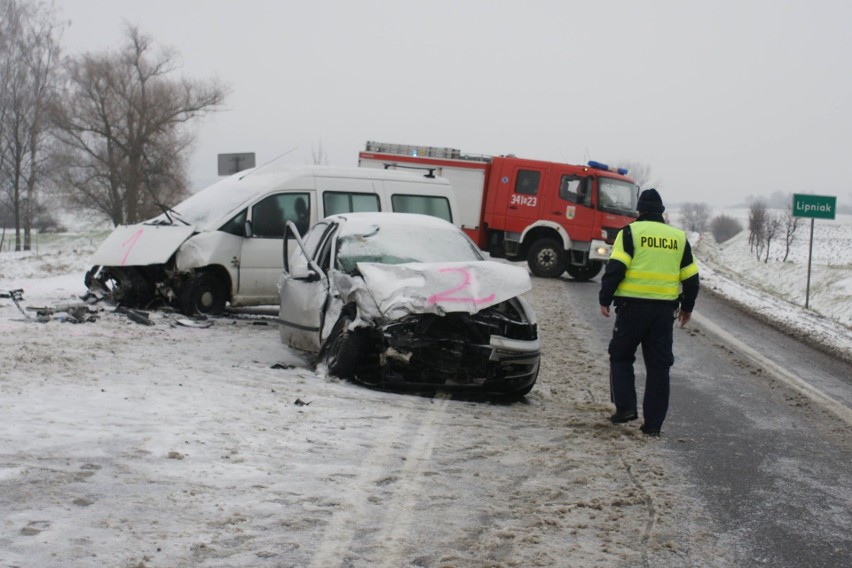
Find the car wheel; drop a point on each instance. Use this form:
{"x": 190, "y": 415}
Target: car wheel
{"x": 546, "y": 258}
{"x": 585, "y": 272}
{"x": 342, "y": 350}
{"x": 204, "y": 294}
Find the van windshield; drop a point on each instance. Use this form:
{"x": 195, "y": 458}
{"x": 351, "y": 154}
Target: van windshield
{"x": 215, "y": 201}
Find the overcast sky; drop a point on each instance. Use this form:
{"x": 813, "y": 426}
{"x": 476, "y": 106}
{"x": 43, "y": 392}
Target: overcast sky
{"x": 720, "y": 99}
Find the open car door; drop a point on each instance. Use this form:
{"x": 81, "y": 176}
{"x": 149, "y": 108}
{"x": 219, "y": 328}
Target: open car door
{"x": 304, "y": 287}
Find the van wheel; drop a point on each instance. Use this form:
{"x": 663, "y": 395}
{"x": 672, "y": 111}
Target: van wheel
{"x": 546, "y": 258}
{"x": 585, "y": 272}
{"x": 204, "y": 294}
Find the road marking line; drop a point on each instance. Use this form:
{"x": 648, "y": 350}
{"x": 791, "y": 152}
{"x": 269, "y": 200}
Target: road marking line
{"x": 803, "y": 387}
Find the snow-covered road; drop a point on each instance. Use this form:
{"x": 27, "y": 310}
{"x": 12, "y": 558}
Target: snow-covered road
{"x": 130, "y": 445}
{"x": 133, "y": 445}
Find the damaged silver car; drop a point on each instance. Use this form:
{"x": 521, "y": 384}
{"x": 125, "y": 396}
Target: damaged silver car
{"x": 399, "y": 300}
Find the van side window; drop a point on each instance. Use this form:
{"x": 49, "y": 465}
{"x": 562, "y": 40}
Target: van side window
{"x": 338, "y": 202}
{"x": 434, "y": 205}
{"x": 269, "y": 215}
{"x": 527, "y": 182}
{"x": 236, "y": 225}
{"x": 300, "y": 212}
{"x": 575, "y": 189}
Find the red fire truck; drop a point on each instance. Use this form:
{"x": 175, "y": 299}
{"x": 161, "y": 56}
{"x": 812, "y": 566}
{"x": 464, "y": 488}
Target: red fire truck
{"x": 557, "y": 217}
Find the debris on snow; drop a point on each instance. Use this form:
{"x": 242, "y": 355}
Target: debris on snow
{"x": 199, "y": 323}
{"x": 72, "y": 313}
{"x": 136, "y": 315}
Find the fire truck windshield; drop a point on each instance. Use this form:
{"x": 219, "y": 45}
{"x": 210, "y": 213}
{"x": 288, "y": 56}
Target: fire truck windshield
{"x": 616, "y": 196}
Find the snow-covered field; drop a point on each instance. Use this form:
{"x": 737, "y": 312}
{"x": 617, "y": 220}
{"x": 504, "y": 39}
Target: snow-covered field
{"x": 776, "y": 291}
{"x": 130, "y": 445}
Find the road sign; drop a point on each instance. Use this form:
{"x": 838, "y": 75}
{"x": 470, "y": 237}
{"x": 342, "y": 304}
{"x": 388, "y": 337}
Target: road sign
{"x": 233, "y": 163}
{"x": 814, "y": 206}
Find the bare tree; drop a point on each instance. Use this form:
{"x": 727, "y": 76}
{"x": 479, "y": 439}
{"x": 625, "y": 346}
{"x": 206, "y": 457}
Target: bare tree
{"x": 125, "y": 129}
{"x": 29, "y": 65}
{"x": 790, "y": 224}
{"x": 724, "y": 227}
{"x": 757, "y": 219}
{"x": 641, "y": 174}
{"x": 695, "y": 217}
{"x": 772, "y": 230}
{"x": 319, "y": 156}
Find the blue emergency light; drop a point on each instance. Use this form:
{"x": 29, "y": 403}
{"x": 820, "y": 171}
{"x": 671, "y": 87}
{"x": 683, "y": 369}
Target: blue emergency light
{"x": 601, "y": 166}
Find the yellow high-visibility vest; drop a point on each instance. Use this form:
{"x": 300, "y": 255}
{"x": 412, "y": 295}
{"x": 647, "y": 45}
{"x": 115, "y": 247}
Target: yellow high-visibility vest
{"x": 653, "y": 272}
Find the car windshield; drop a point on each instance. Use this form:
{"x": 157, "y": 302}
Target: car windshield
{"x": 398, "y": 243}
{"x": 616, "y": 196}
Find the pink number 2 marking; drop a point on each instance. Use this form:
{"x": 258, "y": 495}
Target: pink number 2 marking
{"x": 129, "y": 243}
{"x": 447, "y": 295}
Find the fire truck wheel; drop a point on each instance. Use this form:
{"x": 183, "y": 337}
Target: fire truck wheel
{"x": 585, "y": 272}
{"x": 546, "y": 258}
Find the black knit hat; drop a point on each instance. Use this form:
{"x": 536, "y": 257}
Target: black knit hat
{"x": 650, "y": 202}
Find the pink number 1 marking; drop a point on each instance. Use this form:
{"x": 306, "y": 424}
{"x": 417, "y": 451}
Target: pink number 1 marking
{"x": 446, "y": 295}
{"x": 132, "y": 241}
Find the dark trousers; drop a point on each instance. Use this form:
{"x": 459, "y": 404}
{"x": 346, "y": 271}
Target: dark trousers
{"x": 648, "y": 324}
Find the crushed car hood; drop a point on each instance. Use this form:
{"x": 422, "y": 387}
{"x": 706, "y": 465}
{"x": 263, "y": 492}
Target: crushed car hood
{"x": 416, "y": 288}
{"x": 141, "y": 245}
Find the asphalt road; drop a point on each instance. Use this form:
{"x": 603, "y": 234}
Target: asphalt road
{"x": 760, "y": 424}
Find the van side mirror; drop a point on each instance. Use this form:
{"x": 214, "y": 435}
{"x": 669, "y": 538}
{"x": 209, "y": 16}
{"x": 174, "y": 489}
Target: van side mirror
{"x": 247, "y": 229}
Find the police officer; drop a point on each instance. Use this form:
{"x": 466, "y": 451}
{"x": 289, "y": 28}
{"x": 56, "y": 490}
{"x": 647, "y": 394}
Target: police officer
{"x": 650, "y": 262}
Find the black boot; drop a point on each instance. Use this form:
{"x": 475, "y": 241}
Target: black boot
{"x": 654, "y": 433}
{"x": 622, "y": 416}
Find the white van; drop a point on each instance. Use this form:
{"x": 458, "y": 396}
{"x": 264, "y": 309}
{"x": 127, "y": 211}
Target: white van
{"x": 225, "y": 243}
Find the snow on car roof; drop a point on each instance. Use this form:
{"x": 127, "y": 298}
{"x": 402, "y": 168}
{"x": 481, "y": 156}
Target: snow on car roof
{"x": 226, "y": 196}
{"x": 355, "y": 223}
{"x": 276, "y": 169}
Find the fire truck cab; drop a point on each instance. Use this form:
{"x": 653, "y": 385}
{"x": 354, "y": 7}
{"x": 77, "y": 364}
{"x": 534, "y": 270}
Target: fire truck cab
{"x": 558, "y": 217}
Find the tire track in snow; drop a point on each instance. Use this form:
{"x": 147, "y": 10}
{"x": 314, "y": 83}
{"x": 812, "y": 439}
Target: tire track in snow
{"x": 340, "y": 532}
{"x": 652, "y": 511}
{"x": 401, "y": 509}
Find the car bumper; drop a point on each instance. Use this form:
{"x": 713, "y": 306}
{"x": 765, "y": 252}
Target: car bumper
{"x": 505, "y": 366}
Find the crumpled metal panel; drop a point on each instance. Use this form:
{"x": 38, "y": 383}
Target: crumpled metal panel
{"x": 141, "y": 245}
{"x": 439, "y": 288}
